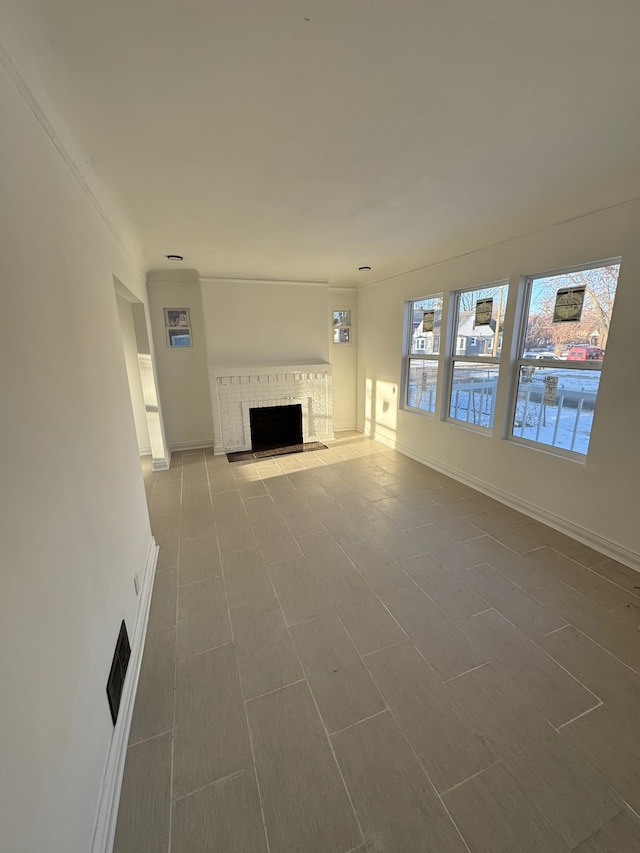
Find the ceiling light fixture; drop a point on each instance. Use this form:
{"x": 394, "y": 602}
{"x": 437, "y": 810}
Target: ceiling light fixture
{"x": 364, "y": 269}
{"x": 174, "y": 257}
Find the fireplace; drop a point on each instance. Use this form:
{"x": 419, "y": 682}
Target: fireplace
{"x": 236, "y": 391}
{"x": 275, "y": 426}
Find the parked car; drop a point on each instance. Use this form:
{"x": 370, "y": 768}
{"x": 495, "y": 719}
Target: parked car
{"x": 585, "y": 354}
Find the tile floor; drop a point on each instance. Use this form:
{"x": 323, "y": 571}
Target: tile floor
{"x": 348, "y": 651}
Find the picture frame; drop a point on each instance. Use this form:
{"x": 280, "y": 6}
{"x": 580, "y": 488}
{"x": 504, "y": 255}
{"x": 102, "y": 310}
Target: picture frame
{"x": 177, "y": 323}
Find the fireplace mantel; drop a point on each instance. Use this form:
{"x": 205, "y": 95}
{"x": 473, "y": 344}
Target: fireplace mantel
{"x": 236, "y": 390}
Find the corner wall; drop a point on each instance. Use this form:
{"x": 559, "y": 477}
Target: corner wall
{"x": 130, "y": 348}
{"x": 183, "y": 381}
{"x": 596, "y": 501}
{"x": 74, "y": 526}
{"x": 344, "y": 358}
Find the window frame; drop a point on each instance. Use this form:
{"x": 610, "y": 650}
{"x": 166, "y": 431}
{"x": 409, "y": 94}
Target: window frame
{"x": 453, "y": 357}
{"x": 520, "y": 361}
{"x": 409, "y": 356}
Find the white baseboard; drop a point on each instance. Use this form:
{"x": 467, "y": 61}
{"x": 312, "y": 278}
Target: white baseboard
{"x": 107, "y": 817}
{"x": 193, "y": 445}
{"x": 144, "y": 451}
{"x": 587, "y": 537}
{"x": 344, "y": 427}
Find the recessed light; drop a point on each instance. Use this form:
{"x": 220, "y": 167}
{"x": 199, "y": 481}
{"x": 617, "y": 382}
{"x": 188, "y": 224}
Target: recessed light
{"x": 364, "y": 269}
{"x": 174, "y": 257}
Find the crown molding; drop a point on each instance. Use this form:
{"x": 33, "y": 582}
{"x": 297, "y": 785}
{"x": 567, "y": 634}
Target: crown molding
{"x": 287, "y": 281}
{"x": 48, "y": 126}
{"x": 630, "y": 202}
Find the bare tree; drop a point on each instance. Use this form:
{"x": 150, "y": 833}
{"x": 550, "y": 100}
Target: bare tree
{"x": 593, "y": 326}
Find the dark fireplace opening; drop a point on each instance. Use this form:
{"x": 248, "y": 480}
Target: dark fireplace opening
{"x": 275, "y": 426}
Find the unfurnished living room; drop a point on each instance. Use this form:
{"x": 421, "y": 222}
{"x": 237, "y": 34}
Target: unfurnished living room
{"x": 320, "y": 416}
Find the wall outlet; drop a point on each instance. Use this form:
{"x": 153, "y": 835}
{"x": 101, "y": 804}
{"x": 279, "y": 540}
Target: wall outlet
{"x": 136, "y": 583}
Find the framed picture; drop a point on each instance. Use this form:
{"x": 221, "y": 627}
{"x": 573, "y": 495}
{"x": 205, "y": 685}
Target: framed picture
{"x": 176, "y": 317}
{"x": 178, "y": 326}
{"x": 341, "y": 327}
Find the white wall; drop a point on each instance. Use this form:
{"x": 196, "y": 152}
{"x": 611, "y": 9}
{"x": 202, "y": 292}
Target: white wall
{"x": 130, "y": 347}
{"x": 595, "y": 499}
{"x": 183, "y": 380}
{"x": 265, "y": 323}
{"x": 344, "y": 358}
{"x": 74, "y": 525}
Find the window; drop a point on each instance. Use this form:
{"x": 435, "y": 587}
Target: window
{"x": 479, "y": 319}
{"x": 423, "y": 350}
{"x": 342, "y": 327}
{"x": 562, "y": 349}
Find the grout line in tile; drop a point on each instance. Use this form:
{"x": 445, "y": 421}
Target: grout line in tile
{"x": 480, "y": 612}
{"x": 304, "y": 621}
{"x": 382, "y": 648}
{"x": 363, "y": 720}
{"x": 253, "y": 600}
{"x": 555, "y": 630}
{"x": 147, "y": 739}
{"x": 275, "y": 690}
{"x": 322, "y": 723}
{"x": 335, "y": 759}
{"x": 469, "y": 778}
{"x": 466, "y": 672}
{"x": 631, "y": 809}
{"x": 175, "y": 699}
{"x": 569, "y": 673}
{"x": 593, "y": 571}
{"x": 578, "y": 716}
{"x": 213, "y": 782}
{"x": 200, "y": 580}
{"x": 204, "y": 651}
{"x": 424, "y": 770}
{"x": 244, "y": 707}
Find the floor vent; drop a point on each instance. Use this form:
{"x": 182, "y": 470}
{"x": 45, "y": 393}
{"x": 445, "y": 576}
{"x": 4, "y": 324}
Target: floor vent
{"x": 118, "y": 671}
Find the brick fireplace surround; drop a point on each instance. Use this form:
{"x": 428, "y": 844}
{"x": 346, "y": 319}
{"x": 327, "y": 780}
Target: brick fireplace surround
{"x": 236, "y": 390}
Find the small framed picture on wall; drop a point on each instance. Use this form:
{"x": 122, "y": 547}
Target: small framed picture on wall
{"x": 178, "y": 326}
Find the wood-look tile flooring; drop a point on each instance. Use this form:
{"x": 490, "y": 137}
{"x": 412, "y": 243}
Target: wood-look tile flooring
{"x": 348, "y": 651}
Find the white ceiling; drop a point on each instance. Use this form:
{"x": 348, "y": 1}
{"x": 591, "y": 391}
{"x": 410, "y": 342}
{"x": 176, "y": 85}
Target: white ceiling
{"x": 300, "y": 139}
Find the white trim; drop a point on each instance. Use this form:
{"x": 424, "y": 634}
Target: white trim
{"x": 349, "y": 427}
{"x": 200, "y": 444}
{"x": 145, "y": 451}
{"x": 49, "y": 128}
{"x": 293, "y": 282}
{"x": 506, "y": 242}
{"x": 629, "y": 558}
{"x": 162, "y": 464}
{"x": 319, "y": 367}
{"x": 105, "y": 828}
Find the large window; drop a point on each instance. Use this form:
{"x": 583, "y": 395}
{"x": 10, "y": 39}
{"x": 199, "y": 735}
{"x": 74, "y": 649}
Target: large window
{"x": 477, "y": 337}
{"x": 423, "y": 348}
{"x": 562, "y": 349}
